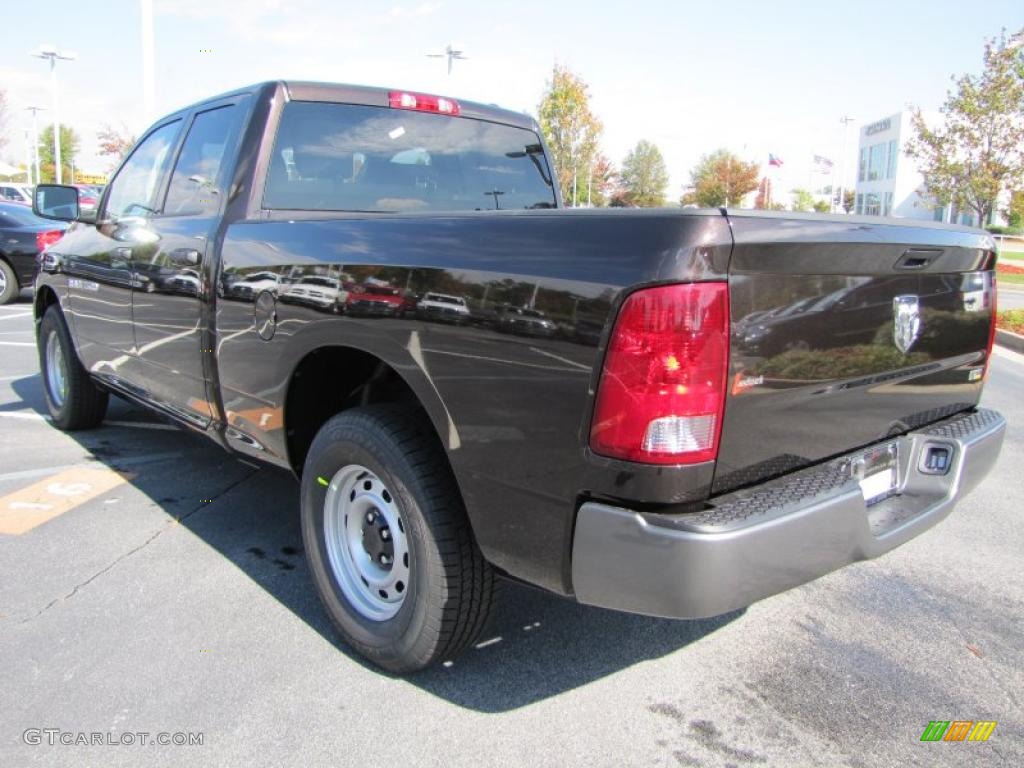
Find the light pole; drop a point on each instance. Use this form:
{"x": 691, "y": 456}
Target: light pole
{"x": 845, "y": 120}
{"x": 148, "y": 79}
{"x": 28, "y": 156}
{"x": 35, "y": 139}
{"x": 450, "y": 53}
{"x": 50, "y": 53}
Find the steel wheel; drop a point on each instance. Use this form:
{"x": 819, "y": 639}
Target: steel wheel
{"x": 56, "y": 370}
{"x": 3, "y": 282}
{"x": 366, "y": 542}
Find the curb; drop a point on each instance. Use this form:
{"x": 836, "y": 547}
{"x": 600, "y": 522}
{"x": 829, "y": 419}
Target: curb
{"x": 1010, "y": 340}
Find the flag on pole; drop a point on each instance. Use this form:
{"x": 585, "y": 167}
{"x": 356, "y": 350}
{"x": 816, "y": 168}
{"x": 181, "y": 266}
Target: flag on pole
{"x": 775, "y": 161}
{"x": 822, "y": 164}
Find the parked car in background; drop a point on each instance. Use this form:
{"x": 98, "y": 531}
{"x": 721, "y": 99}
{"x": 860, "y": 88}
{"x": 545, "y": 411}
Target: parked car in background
{"x": 374, "y": 299}
{"x": 324, "y": 293}
{"x": 441, "y": 306}
{"x": 23, "y": 236}
{"x": 524, "y": 321}
{"x": 16, "y": 193}
{"x": 253, "y": 284}
{"x": 88, "y": 197}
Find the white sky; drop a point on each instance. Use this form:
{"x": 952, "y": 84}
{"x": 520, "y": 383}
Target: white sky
{"x": 753, "y": 77}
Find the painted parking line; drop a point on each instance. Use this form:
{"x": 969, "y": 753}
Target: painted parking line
{"x": 40, "y": 502}
{"x": 131, "y": 461}
{"x": 17, "y": 343}
{"x": 31, "y": 416}
{"x": 6, "y": 316}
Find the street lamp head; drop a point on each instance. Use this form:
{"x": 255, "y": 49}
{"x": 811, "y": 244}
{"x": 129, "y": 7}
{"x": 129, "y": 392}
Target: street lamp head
{"x": 49, "y": 51}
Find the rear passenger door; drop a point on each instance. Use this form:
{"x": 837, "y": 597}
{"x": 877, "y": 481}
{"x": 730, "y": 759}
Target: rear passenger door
{"x": 176, "y": 273}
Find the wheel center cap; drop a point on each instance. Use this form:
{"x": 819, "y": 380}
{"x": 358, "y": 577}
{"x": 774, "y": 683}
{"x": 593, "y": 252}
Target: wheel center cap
{"x": 377, "y": 541}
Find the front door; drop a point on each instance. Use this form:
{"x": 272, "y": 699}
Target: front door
{"x": 97, "y": 258}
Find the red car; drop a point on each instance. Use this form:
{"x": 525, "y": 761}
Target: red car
{"x": 374, "y": 300}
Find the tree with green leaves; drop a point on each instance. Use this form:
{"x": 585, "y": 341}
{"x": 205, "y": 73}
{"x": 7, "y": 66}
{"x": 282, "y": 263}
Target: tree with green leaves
{"x": 115, "y": 142}
{"x": 643, "y": 176}
{"x": 802, "y": 200}
{"x": 978, "y": 150}
{"x": 572, "y": 132}
{"x": 69, "y": 145}
{"x": 822, "y": 206}
{"x": 849, "y": 200}
{"x": 723, "y": 179}
{"x": 1015, "y": 210}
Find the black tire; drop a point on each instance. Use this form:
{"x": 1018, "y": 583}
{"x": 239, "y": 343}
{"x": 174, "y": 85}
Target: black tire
{"x": 451, "y": 586}
{"x": 83, "y": 405}
{"x": 11, "y": 289}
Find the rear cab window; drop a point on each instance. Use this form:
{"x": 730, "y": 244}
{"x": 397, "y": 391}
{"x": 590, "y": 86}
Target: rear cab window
{"x": 346, "y": 157}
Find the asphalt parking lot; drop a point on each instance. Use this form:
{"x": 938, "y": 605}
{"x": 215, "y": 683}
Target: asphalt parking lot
{"x": 167, "y": 593}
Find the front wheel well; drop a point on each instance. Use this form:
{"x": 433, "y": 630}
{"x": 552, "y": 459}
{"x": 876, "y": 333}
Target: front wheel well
{"x": 330, "y": 380}
{"x": 44, "y": 297}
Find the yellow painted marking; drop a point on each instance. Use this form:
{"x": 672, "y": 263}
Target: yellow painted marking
{"x": 23, "y": 510}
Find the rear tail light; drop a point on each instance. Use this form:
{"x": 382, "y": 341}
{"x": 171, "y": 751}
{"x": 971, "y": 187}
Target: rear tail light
{"x": 661, "y": 396}
{"x": 46, "y": 239}
{"x": 993, "y": 302}
{"x": 422, "y": 102}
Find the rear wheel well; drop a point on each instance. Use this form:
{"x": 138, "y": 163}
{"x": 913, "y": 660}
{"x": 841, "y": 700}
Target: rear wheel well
{"x": 330, "y": 380}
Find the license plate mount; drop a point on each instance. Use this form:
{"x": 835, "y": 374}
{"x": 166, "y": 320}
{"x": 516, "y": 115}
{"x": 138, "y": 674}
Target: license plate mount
{"x": 877, "y": 471}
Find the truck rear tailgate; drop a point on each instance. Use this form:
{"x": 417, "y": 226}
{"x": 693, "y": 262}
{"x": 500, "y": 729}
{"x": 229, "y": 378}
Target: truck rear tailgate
{"x": 846, "y": 330}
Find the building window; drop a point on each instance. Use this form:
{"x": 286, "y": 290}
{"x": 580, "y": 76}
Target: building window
{"x": 893, "y": 155}
{"x": 876, "y": 162}
{"x": 872, "y": 204}
{"x": 887, "y": 210}
{"x": 860, "y": 204}
{"x": 863, "y": 173}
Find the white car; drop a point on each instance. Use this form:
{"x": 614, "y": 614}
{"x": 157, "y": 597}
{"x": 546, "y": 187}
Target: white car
{"x": 319, "y": 292}
{"x": 440, "y": 306}
{"x": 16, "y": 193}
{"x": 254, "y": 284}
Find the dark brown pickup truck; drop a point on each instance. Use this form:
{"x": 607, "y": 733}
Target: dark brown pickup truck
{"x": 671, "y": 412}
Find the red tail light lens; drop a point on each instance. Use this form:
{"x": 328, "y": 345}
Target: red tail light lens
{"x": 993, "y": 293}
{"x": 46, "y": 239}
{"x": 422, "y": 102}
{"x": 662, "y": 392}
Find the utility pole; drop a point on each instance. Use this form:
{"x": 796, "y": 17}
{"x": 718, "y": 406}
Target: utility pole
{"x": 35, "y": 140}
{"x": 51, "y": 54}
{"x": 845, "y": 120}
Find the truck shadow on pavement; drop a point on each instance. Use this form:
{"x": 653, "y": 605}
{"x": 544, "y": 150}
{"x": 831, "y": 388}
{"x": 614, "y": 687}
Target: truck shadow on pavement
{"x": 536, "y": 646}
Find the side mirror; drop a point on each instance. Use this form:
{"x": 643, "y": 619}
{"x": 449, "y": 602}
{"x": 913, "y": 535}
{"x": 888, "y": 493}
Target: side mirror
{"x": 56, "y": 201}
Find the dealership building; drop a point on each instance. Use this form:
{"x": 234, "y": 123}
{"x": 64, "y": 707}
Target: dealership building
{"x": 889, "y": 183}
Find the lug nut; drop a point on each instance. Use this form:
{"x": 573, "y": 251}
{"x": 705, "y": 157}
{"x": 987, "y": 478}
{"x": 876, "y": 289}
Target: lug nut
{"x": 384, "y": 559}
{"x": 370, "y": 517}
{"x": 385, "y": 534}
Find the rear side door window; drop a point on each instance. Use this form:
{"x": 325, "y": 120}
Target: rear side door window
{"x": 133, "y": 191}
{"x": 196, "y": 186}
